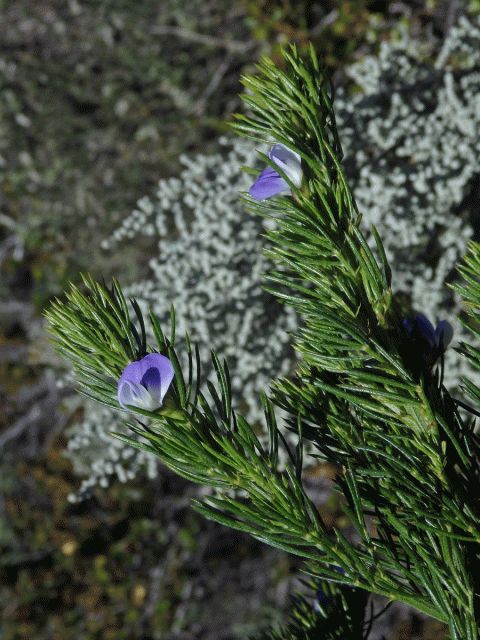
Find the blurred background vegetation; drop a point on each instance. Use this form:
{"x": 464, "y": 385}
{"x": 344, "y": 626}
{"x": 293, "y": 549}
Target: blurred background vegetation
{"x": 97, "y": 101}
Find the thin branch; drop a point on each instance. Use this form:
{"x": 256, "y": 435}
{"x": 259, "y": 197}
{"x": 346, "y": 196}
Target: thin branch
{"x": 199, "y": 107}
{"x": 186, "y": 34}
{"x": 21, "y": 425}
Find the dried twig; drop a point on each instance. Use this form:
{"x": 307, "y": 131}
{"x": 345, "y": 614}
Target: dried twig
{"x": 199, "y": 106}
{"x": 231, "y": 45}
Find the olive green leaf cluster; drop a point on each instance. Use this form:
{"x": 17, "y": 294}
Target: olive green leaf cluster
{"x": 363, "y": 396}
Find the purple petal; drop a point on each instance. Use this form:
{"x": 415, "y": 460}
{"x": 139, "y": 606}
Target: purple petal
{"x": 132, "y": 373}
{"x": 282, "y": 155}
{"x": 408, "y": 325}
{"x": 154, "y": 373}
{"x": 443, "y": 334}
{"x": 157, "y": 374}
{"x": 425, "y": 329}
{"x": 268, "y": 184}
{"x": 321, "y": 598}
{"x": 151, "y": 378}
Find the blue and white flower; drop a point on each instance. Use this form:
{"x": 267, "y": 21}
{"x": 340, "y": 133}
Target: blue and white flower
{"x": 269, "y": 182}
{"x": 144, "y": 383}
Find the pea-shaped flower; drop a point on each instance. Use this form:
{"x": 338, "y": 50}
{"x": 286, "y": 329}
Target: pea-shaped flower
{"x": 144, "y": 383}
{"x": 269, "y": 182}
{"x": 431, "y": 342}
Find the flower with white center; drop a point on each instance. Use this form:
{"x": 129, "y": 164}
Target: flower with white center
{"x": 144, "y": 383}
{"x": 269, "y": 182}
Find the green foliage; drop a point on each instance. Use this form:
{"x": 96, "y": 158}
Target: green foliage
{"x": 96, "y": 334}
{"x": 362, "y": 396}
{"x": 359, "y": 397}
{"x": 71, "y": 69}
{"x": 328, "y": 267}
{"x": 470, "y": 271}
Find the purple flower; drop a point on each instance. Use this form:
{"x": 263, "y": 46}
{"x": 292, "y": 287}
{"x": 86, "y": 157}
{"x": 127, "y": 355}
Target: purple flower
{"x": 321, "y": 597}
{"x": 431, "y": 342}
{"x": 144, "y": 383}
{"x": 269, "y": 182}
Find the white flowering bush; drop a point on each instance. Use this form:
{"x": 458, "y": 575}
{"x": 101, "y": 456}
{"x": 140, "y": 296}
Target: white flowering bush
{"x": 411, "y": 155}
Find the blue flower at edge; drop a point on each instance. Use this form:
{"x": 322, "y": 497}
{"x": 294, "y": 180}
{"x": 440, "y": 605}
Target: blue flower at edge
{"x": 144, "y": 383}
{"x": 269, "y": 182}
{"x": 321, "y": 597}
{"x": 433, "y": 342}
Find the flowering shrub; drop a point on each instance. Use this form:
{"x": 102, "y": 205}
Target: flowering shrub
{"x": 406, "y": 457}
{"x": 397, "y": 137}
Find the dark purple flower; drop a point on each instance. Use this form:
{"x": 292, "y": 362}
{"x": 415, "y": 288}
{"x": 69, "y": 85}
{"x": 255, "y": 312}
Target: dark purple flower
{"x": 430, "y": 341}
{"x": 321, "y": 597}
{"x": 269, "y": 182}
{"x": 144, "y": 383}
